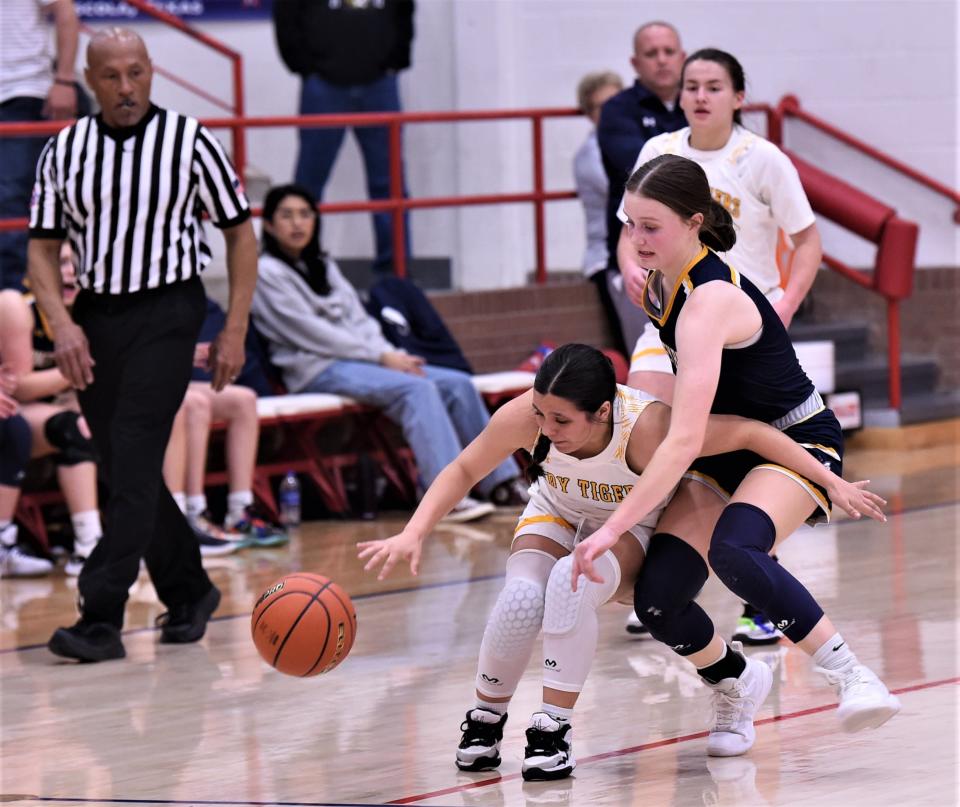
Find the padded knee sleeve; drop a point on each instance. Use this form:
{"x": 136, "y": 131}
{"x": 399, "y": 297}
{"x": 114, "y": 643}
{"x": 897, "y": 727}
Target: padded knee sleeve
{"x": 739, "y": 554}
{"x": 514, "y": 623}
{"x": 663, "y": 596}
{"x": 570, "y": 621}
{"x": 14, "y": 450}
{"x": 63, "y": 432}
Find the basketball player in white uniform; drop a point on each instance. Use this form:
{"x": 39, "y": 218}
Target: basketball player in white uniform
{"x": 589, "y": 439}
{"x": 760, "y": 188}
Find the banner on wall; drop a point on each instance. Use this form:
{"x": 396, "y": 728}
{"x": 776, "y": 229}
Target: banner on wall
{"x": 187, "y": 10}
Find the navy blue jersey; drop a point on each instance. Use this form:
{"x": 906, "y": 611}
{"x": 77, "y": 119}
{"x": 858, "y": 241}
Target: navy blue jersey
{"x": 760, "y": 378}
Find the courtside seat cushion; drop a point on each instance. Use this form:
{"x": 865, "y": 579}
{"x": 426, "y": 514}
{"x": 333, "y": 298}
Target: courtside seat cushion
{"x": 301, "y": 404}
{"x": 509, "y": 381}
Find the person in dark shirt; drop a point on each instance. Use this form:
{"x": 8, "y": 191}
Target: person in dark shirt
{"x": 348, "y": 54}
{"x": 627, "y": 121}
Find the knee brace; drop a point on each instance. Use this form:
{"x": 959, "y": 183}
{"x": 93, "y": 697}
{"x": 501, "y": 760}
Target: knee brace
{"x": 14, "y": 450}
{"x": 739, "y": 549}
{"x": 514, "y": 623}
{"x": 63, "y": 432}
{"x": 663, "y": 597}
{"x": 570, "y": 621}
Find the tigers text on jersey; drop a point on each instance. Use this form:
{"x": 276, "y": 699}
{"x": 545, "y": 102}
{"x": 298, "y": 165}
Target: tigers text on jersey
{"x": 760, "y": 378}
{"x": 759, "y": 187}
{"x": 572, "y": 490}
{"x": 130, "y": 201}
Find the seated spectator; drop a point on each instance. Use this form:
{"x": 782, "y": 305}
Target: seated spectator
{"x": 323, "y": 340}
{"x": 15, "y": 560}
{"x": 186, "y": 461}
{"x": 49, "y": 406}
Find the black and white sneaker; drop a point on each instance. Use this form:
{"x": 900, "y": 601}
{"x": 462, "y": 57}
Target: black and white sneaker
{"x": 549, "y": 751}
{"x": 479, "y": 748}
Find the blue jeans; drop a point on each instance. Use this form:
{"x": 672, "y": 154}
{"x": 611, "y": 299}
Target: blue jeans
{"x": 18, "y": 165}
{"x": 438, "y": 413}
{"x": 319, "y": 148}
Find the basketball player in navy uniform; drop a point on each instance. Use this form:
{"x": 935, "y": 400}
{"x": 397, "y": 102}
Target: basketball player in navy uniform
{"x": 732, "y": 355}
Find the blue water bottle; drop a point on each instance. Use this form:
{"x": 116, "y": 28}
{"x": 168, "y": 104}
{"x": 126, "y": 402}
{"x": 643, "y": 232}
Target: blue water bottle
{"x": 290, "y": 500}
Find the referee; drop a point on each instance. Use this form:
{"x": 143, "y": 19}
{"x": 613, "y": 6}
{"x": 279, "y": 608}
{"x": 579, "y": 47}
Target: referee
{"x": 126, "y": 189}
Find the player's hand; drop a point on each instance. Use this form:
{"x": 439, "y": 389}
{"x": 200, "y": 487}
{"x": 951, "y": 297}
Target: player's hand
{"x": 589, "y": 550}
{"x": 8, "y": 406}
{"x": 856, "y": 500}
{"x": 785, "y": 311}
{"x": 71, "y": 351}
{"x": 404, "y": 362}
{"x": 405, "y": 546}
{"x": 225, "y": 359}
{"x": 634, "y": 279}
{"x": 8, "y": 380}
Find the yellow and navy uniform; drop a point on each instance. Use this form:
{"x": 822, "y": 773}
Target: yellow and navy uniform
{"x": 582, "y": 493}
{"x": 41, "y": 336}
{"x": 760, "y": 378}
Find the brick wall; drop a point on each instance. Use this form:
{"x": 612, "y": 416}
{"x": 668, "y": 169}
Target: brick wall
{"x": 930, "y": 318}
{"x": 498, "y": 329}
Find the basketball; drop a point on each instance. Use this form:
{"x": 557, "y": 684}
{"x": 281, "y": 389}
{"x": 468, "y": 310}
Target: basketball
{"x": 303, "y": 625}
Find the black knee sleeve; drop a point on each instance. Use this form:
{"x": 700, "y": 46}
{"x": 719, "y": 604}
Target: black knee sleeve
{"x": 63, "y": 432}
{"x": 14, "y": 450}
{"x": 739, "y": 549}
{"x": 663, "y": 596}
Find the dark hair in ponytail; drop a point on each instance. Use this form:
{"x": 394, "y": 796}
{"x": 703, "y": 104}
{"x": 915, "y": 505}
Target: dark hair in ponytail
{"x": 728, "y": 62}
{"x": 579, "y": 374}
{"x": 681, "y": 185}
{"x": 313, "y": 256}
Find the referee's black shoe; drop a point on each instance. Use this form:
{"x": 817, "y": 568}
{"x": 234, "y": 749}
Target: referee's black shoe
{"x": 87, "y": 641}
{"x": 188, "y": 622}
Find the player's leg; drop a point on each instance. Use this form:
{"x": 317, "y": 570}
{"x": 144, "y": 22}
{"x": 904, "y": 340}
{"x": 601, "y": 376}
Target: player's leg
{"x": 570, "y": 629}
{"x": 766, "y": 508}
{"x": 664, "y": 598}
{"x": 511, "y": 631}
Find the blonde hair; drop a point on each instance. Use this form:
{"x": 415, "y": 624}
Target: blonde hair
{"x": 592, "y": 82}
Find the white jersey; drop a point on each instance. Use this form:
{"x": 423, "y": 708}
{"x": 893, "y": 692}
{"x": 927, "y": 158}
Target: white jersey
{"x": 572, "y": 491}
{"x": 759, "y": 187}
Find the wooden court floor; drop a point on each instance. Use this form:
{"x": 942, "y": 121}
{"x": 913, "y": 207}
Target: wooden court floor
{"x": 210, "y": 724}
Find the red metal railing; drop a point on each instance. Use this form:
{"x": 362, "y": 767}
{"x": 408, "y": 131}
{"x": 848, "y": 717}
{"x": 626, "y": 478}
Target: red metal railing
{"x": 397, "y": 204}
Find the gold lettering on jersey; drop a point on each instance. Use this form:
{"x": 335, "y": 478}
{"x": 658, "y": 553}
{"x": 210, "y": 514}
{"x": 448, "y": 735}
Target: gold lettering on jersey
{"x": 585, "y": 487}
{"x": 563, "y": 481}
{"x": 731, "y": 203}
{"x": 600, "y": 491}
{"x": 554, "y": 481}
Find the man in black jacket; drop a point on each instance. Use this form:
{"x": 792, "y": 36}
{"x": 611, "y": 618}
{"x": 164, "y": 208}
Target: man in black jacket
{"x": 627, "y": 121}
{"x": 348, "y": 53}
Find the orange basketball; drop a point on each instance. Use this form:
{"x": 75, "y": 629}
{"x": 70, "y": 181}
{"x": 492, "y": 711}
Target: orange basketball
{"x": 304, "y": 624}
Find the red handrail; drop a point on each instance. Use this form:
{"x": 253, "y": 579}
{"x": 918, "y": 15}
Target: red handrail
{"x": 789, "y": 106}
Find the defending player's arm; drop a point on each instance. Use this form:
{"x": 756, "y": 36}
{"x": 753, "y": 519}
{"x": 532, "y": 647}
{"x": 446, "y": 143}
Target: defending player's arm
{"x": 511, "y": 427}
{"x": 731, "y": 433}
{"x": 807, "y": 255}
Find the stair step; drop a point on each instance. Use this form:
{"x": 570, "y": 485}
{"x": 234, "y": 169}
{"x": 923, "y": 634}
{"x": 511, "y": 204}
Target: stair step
{"x": 850, "y": 339}
{"x": 916, "y": 408}
{"x": 870, "y": 377}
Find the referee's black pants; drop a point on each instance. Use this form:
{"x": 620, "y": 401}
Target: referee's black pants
{"x": 143, "y": 346}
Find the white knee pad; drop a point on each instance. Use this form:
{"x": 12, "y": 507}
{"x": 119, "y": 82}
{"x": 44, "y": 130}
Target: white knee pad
{"x": 514, "y": 624}
{"x": 570, "y": 621}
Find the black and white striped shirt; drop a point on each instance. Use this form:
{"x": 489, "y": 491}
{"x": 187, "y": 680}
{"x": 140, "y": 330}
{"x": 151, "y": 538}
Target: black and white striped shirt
{"x": 130, "y": 201}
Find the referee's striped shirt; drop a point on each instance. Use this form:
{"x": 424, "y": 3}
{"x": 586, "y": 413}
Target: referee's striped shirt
{"x": 130, "y": 201}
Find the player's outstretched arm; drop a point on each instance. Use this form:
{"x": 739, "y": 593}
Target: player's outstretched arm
{"x": 511, "y": 427}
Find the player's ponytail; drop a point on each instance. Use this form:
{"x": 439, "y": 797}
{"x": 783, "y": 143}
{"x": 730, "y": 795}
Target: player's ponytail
{"x": 579, "y": 374}
{"x": 717, "y": 230}
{"x": 682, "y": 185}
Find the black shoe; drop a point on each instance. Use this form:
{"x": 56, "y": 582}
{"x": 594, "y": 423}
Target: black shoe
{"x": 87, "y": 641}
{"x": 188, "y": 622}
{"x": 549, "y": 751}
{"x": 479, "y": 748}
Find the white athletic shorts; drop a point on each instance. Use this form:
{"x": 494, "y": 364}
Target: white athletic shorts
{"x": 649, "y": 354}
{"x": 559, "y": 523}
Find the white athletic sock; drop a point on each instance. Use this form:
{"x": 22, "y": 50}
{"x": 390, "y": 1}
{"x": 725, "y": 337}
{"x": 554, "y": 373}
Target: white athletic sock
{"x": 558, "y": 713}
{"x": 8, "y": 537}
{"x": 86, "y": 530}
{"x": 499, "y": 708}
{"x": 196, "y": 505}
{"x": 835, "y": 655}
{"x": 181, "y": 500}
{"x": 237, "y": 502}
